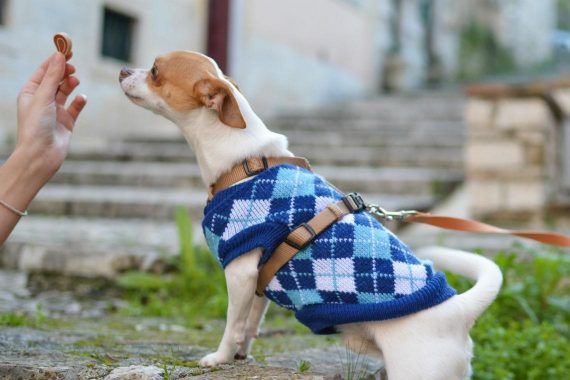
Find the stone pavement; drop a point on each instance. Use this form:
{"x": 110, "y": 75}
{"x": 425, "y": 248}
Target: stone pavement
{"x": 76, "y": 335}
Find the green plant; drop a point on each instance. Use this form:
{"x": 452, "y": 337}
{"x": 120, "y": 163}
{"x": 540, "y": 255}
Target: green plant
{"x": 196, "y": 289}
{"x": 19, "y": 318}
{"x": 167, "y": 371}
{"x": 353, "y": 364}
{"x": 14, "y": 319}
{"x": 304, "y": 366}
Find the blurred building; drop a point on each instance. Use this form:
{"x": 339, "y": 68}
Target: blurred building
{"x": 283, "y": 54}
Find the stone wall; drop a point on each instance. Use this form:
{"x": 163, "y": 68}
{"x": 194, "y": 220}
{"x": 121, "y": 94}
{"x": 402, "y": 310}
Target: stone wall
{"x": 512, "y": 157}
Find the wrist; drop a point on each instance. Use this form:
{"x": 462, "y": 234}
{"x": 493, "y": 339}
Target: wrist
{"x": 26, "y": 168}
{"x": 35, "y": 161}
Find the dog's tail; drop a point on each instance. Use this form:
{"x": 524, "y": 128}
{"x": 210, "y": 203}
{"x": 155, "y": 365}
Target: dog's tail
{"x": 486, "y": 274}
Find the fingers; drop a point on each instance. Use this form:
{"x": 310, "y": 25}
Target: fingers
{"x": 38, "y": 75}
{"x": 36, "y": 78}
{"x": 65, "y": 89}
{"x": 75, "y": 108}
{"x": 69, "y": 69}
{"x": 53, "y": 76}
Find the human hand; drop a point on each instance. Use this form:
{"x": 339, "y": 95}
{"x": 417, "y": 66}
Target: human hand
{"x": 45, "y": 125}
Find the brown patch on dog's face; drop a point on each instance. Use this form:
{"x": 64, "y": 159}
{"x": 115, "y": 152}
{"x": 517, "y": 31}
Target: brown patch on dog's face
{"x": 173, "y": 77}
{"x": 186, "y": 81}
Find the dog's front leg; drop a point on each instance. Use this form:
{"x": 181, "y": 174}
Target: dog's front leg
{"x": 254, "y": 320}
{"x": 241, "y": 279}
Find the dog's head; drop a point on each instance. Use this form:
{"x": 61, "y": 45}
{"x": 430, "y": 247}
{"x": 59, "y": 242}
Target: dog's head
{"x": 181, "y": 82}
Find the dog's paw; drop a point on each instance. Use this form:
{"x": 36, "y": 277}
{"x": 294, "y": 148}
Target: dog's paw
{"x": 214, "y": 359}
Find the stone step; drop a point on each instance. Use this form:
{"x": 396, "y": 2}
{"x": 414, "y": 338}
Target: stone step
{"x": 353, "y": 137}
{"x": 117, "y": 201}
{"x": 395, "y": 181}
{"x": 160, "y": 203}
{"x": 422, "y": 155}
{"x": 298, "y": 135}
{"x": 130, "y": 173}
{"x": 416, "y": 112}
{"x": 370, "y": 125}
{"x": 90, "y": 247}
{"x": 411, "y": 181}
{"x": 173, "y": 151}
{"x": 392, "y": 156}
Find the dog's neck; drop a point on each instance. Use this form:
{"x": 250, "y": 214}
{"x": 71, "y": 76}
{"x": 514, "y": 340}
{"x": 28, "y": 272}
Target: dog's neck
{"x": 219, "y": 147}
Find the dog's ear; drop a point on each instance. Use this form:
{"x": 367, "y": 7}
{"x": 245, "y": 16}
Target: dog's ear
{"x": 216, "y": 94}
{"x": 232, "y": 81}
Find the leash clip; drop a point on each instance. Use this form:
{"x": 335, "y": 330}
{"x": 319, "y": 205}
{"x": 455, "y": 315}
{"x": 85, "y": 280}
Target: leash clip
{"x": 382, "y": 213}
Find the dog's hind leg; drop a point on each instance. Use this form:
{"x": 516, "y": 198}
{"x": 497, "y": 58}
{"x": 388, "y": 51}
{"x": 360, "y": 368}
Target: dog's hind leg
{"x": 241, "y": 279}
{"x": 357, "y": 338}
{"x": 254, "y": 321}
{"x": 433, "y": 344}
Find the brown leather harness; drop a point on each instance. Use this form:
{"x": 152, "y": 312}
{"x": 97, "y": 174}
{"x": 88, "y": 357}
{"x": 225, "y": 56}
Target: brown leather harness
{"x": 306, "y": 232}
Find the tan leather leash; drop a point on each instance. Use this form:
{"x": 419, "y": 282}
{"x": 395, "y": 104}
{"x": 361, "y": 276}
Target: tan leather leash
{"x": 466, "y": 225}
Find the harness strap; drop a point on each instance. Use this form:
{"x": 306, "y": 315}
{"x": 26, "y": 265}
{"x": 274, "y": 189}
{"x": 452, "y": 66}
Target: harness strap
{"x": 250, "y": 167}
{"x": 468, "y": 225}
{"x": 304, "y": 234}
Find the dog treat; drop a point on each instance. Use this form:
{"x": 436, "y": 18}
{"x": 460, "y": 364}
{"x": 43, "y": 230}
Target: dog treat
{"x": 63, "y": 44}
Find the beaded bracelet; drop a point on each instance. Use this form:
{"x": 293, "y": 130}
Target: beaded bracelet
{"x": 13, "y": 209}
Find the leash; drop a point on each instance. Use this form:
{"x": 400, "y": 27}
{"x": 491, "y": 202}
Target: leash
{"x": 465, "y": 225}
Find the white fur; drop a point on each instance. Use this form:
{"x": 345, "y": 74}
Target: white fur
{"x": 431, "y": 344}
{"x": 218, "y": 148}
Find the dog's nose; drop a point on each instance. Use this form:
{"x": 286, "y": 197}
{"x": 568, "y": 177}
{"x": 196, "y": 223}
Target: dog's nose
{"x": 125, "y": 72}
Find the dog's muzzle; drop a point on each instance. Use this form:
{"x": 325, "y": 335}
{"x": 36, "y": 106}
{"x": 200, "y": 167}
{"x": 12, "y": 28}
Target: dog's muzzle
{"x": 125, "y": 73}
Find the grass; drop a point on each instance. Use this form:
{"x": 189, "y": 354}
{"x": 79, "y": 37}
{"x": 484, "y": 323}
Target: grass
{"x": 525, "y": 334}
{"x": 304, "y": 366}
{"x": 353, "y": 364}
{"x": 196, "y": 290}
{"x": 21, "y": 319}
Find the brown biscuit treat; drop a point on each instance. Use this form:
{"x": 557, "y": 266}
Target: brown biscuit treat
{"x": 63, "y": 44}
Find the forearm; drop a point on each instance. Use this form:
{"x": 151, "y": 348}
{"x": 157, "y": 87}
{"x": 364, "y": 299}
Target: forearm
{"x": 21, "y": 177}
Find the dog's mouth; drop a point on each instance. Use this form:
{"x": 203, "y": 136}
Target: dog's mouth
{"x": 135, "y": 99}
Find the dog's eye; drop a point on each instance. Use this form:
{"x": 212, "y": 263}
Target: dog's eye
{"x": 154, "y": 72}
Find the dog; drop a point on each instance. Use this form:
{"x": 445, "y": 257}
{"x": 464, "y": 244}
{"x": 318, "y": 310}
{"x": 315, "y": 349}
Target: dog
{"x": 219, "y": 124}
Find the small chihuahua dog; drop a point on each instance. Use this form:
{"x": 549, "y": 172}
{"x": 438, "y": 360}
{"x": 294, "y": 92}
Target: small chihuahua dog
{"x": 427, "y": 342}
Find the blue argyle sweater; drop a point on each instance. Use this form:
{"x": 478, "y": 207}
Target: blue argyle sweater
{"x": 354, "y": 271}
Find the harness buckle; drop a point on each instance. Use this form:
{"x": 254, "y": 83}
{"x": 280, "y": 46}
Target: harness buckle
{"x": 251, "y": 172}
{"x": 380, "y": 212}
{"x": 354, "y": 202}
{"x": 303, "y": 244}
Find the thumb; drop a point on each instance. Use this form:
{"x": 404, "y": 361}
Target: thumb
{"x": 52, "y": 78}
